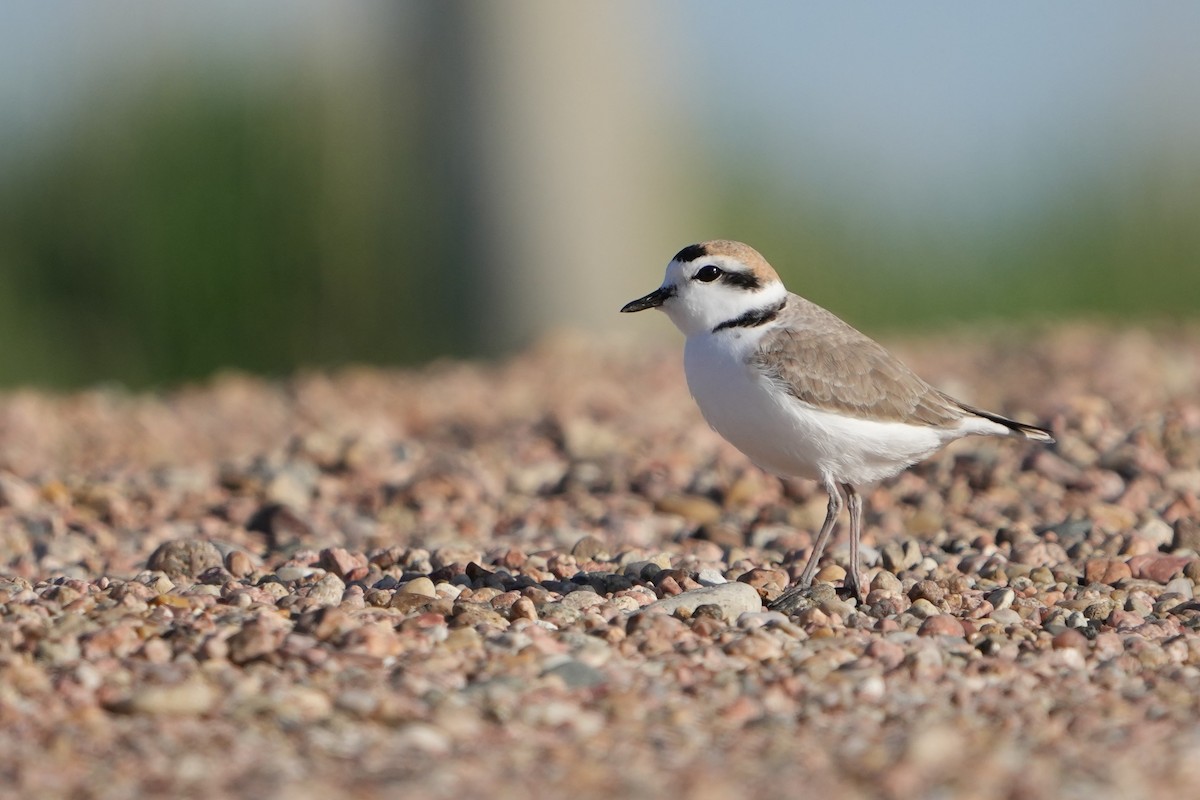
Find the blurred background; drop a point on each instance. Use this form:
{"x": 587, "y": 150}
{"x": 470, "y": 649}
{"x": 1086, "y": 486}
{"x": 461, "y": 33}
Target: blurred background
{"x": 188, "y": 187}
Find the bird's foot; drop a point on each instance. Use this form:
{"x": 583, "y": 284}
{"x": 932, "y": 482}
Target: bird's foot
{"x": 853, "y": 588}
{"x": 802, "y": 596}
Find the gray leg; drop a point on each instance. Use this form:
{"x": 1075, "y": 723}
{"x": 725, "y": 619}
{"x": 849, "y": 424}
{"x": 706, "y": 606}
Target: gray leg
{"x": 831, "y": 515}
{"x": 795, "y": 595}
{"x": 854, "y": 577}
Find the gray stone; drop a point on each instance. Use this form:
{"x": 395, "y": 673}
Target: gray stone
{"x": 732, "y": 598}
{"x": 1180, "y": 586}
{"x": 293, "y": 484}
{"x": 898, "y": 556}
{"x": 1186, "y": 535}
{"x": 16, "y": 493}
{"x": 587, "y": 548}
{"x": 1006, "y": 616}
{"x": 328, "y": 591}
{"x": 422, "y": 586}
{"x": 582, "y": 600}
{"x": 185, "y": 558}
{"x": 576, "y": 674}
{"x": 1001, "y": 598}
{"x": 293, "y": 573}
{"x": 1157, "y": 532}
{"x": 189, "y": 698}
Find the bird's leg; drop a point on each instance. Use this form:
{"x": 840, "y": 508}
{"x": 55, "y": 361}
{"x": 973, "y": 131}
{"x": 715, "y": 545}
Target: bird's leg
{"x": 831, "y": 515}
{"x": 790, "y": 599}
{"x": 854, "y": 576}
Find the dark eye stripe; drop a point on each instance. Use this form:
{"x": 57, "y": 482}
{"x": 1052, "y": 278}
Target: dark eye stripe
{"x": 742, "y": 280}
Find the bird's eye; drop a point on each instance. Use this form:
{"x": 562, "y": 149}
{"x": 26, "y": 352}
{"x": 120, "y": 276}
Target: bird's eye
{"x": 708, "y": 273}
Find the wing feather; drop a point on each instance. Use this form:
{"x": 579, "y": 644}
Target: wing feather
{"x": 824, "y": 362}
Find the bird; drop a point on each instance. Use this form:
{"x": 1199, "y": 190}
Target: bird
{"x": 802, "y": 393}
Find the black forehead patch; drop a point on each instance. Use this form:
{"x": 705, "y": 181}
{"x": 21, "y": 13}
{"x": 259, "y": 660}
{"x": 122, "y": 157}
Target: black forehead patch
{"x": 742, "y": 280}
{"x": 691, "y": 253}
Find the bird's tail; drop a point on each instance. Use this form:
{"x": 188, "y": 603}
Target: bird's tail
{"x": 1028, "y": 431}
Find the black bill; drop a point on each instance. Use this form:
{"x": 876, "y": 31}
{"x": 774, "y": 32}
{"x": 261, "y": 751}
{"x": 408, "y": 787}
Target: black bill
{"x": 652, "y": 300}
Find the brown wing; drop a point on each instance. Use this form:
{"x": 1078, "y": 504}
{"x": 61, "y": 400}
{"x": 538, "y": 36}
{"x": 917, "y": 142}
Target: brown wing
{"x": 824, "y": 362}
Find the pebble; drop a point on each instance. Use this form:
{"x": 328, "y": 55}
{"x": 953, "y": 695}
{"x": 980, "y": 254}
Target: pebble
{"x": 407, "y": 602}
{"x": 941, "y": 625}
{"x": 928, "y": 590}
{"x": 888, "y": 653}
{"x": 238, "y": 563}
{"x": 769, "y": 581}
{"x": 812, "y": 617}
{"x": 1038, "y": 553}
{"x": 582, "y": 600}
{"x": 424, "y": 613}
{"x": 1183, "y": 480}
{"x": 1157, "y": 568}
{"x": 588, "y": 548}
{"x": 695, "y": 509}
{"x": 885, "y": 581}
{"x": 1106, "y": 570}
{"x": 731, "y": 598}
{"x": 523, "y": 608}
{"x": 357, "y": 702}
{"x": 757, "y": 619}
{"x": 255, "y": 640}
{"x": 300, "y": 705}
{"x": 291, "y": 574}
{"x": 1139, "y": 603}
{"x": 1124, "y": 620}
{"x": 190, "y": 697}
{"x": 292, "y": 484}
{"x": 559, "y": 615}
{"x": 830, "y": 573}
{"x": 422, "y": 738}
{"x": 1001, "y": 598}
{"x": 899, "y": 556}
{"x": 1186, "y": 534}
{"x": 1112, "y": 518}
{"x": 1069, "y": 638}
{"x": 1156, "y": 532}
{"x": 16, "y": 493}
{"x": 1006, "y": 616}
{"x": 421, "y": 586}
{"x": 328, "y": 591}
{"x": 185, "y": 558}
{"x": 755, "y": 646}
{"x": 1181, "y": 586}
{"x": 340, "y": 561}
{"x": 575, "y": 674}
{"x": 922, "y": 609}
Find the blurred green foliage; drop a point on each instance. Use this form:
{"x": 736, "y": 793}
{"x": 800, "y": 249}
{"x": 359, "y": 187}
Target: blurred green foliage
{"x": 201, "y": 225}
{"x": 197, "y": 225}
{"x": 1120, "y": 249}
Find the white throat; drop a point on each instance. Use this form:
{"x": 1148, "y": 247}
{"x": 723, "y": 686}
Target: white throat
{"x": 695, "y": 312}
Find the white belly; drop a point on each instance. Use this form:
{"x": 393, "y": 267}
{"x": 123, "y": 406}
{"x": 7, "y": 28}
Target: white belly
{"x": 784, "y": 436}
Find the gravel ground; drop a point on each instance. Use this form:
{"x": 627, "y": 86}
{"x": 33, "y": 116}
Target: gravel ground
{"x": 547, "y": 578}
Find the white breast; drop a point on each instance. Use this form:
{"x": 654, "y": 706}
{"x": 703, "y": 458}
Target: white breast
{"x": 784, "y": 436}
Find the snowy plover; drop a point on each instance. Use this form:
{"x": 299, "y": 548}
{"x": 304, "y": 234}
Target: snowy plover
{"x": 801, "y": 392}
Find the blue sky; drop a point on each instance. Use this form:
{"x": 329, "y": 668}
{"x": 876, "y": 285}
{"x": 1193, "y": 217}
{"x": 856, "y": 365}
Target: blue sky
{"x": 940, "y": 106}
{"x": 947, "y": 102}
